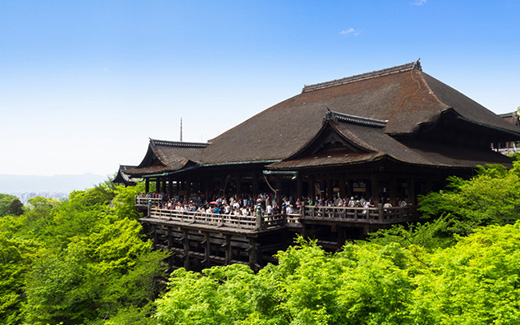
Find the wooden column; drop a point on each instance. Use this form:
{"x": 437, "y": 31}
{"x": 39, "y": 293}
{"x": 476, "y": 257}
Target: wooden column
{"x": 350, "y": 188}
{"x": 170, "y": 187}
{"x": 170, "y": 245}
{"x": 330, "y": 188}
{"x": 239, "y": 183}
{"x": 229, "y": 250}
{"x": 299, "y": 186}
{"x": 411, "y": 190}
{"x": 374, "y": 188}
{"x": 186, "y": 247}
{"x": 253, "y": 254}
{"x": 206, "y": 188}
{"x": 342, "y": 187}
{"x": 310, "y": 188}
{"x": 255, "y": 185}
{"x": 147, "y": 185}
{"x": 323, "y": 187}
{"x": 278, "y": 188}
{"x": 158, "y": 185}
{"x": 392, "y": 191}
{"x": 207, "y": 250}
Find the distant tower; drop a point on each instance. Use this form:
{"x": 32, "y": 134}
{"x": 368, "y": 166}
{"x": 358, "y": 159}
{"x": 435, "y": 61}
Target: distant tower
{"x": 181, "y": 129}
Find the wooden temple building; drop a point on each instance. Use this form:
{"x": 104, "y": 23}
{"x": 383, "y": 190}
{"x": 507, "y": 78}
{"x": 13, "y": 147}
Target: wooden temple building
{"x": 388, "y": 135}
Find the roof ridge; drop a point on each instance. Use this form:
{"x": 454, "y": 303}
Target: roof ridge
{"x": 377, "y": 73}
{"x": 354, "y": 119}
{"x": 179, "y": 144}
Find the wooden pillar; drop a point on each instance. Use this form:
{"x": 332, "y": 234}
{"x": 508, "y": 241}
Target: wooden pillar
{"x": 299, "y": 186}
{"x": 253, "y": 254}
{"x": 323, "y": 186}
{"x": 170, "y": 245}
{"x": 411, "y": 190}
{"x": 392, "y": 191}
{"x": 255, "y": 185}
{"x": 350, "y": 188}
{"x": 186, "y": 247}
{"x": 342, "y": 187}
{"x": 330, "y": 188}
{"x": 147, "y": 185}
{"x": 374, "y": 188}
{"x": 170, "y": 187}
{"x": 238, "y": 178}
{"x": 158, "y": 185}
{"x": 207, "y": 250}
{"x": 155, "y": 237}
{"x": 229, "y": 250}
{"x": 206, "y": 188}
{"x": 310, "y": 188}
{"x": 278, "y": 188}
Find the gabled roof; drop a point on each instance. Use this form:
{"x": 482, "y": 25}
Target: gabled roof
{"x": 122, "y": 177}
{"x": 404, "y": 96}
{"x": 345, "y": 141}
{"x": 166, "y": 156}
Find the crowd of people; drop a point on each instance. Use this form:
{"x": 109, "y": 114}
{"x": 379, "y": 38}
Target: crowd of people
{"x": 265, "y": 203}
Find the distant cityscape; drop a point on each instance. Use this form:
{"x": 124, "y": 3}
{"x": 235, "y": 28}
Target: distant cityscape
{"x": 24, "y": 197}
{"x": 55, "y": 187}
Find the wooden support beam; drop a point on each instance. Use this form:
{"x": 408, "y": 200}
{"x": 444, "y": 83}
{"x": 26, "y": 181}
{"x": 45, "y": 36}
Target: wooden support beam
{"x": 228, "y": 250}
{"x": 186, "y": 248}
{"x": 252, "y": 252}
{"x": 207, "y": 250}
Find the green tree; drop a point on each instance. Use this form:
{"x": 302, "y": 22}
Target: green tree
{"x": 5, "y": 202}
{"x": 15, "y": 208}
{"x": 78, "y": 261}
{"x": 491, "y": 197}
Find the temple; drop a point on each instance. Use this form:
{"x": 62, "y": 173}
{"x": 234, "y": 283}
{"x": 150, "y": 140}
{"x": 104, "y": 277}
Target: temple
{"x": 338, "y": 160}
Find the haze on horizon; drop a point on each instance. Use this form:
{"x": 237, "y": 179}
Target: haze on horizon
{"x": 84, "y": 85}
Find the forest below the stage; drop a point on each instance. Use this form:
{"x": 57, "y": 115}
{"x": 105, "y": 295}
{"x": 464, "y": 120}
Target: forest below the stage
{"x": 84, "y": 260}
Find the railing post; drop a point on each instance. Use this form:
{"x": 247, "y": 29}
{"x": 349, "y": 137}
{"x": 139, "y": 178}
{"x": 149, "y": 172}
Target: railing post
{"x": 381, "y": 211}
{"x": 258, "y": 217}
{"x": 149, "y": 208}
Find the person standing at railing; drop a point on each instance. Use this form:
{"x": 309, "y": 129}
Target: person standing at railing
{"x": 368, "y": 204}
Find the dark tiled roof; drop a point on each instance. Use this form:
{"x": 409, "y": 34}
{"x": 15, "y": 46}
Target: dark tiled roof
{"x": 165, "y": 156}
{"x": 382, "y": 109}
{"x": 380, "y": 145}
{"x": 405, "y": 97}
{"x": 122, "y": 177}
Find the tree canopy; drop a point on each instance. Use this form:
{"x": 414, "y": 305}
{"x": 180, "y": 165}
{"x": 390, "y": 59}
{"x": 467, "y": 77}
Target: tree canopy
{"x": 85, "y": 261}
{"x": 78, "y": 261}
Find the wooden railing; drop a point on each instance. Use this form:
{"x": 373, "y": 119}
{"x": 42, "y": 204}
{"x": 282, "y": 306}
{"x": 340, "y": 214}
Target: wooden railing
{"x": 241, "y": 222}
{"x": 255, "y": 222}
{"x": 145, "y": 201}
{"x": 363, "y": 215}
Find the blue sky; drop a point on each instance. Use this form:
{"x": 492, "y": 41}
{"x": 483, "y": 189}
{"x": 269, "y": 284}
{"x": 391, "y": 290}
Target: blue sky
{"x": 84, "y": 84}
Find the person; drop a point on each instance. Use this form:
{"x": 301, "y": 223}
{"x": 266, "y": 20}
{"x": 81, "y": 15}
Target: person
{"x": 387, "y": 204}
{"x": 368, "y": 204}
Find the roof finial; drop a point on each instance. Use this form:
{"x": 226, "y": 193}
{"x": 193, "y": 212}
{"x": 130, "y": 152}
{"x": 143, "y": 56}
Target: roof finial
{"x": 417, "y": 65}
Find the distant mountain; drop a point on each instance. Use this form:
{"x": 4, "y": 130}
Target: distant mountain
{"x": 58, "y": 183}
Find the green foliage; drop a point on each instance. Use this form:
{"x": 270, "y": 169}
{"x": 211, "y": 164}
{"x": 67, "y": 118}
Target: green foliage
{"x": 361, "y": 285}
{"x": 16, "y": 255}
{"x": 5, "y": 202}
{"x": 475, "y": 281}
{"x": 15, "y": 208}
{"x": 491, "y": 197}
{"x": 78, "y": 261}
{"x": 431, "y": 235}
